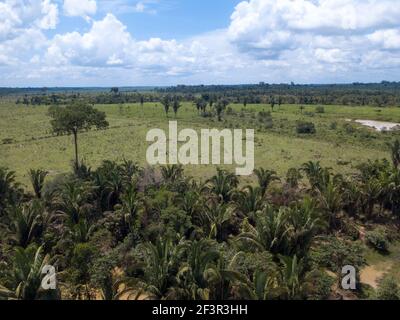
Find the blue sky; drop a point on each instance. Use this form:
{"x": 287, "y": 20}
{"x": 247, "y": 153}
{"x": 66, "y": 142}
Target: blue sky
{"x": 169, "y": 42}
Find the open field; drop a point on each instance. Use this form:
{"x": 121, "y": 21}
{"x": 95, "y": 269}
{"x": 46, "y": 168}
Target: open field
{"x": 26, "y": 140}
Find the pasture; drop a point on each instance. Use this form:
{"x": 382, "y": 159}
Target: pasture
{"x": 26, "y": 140}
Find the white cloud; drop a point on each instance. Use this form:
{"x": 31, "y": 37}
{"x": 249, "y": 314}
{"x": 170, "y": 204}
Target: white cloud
{"x": 18, "y": 15}
{"x": 80, "y": 8}
{"x": 109, "y": 44}
{"x": 266, "y": 40}
{"x": 326, "y": 35}
{"x": 387, "y": 39}
{"x": 107, "y": 38}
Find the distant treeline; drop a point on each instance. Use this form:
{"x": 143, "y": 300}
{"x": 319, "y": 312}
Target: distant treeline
{"x": 378, "y": 94}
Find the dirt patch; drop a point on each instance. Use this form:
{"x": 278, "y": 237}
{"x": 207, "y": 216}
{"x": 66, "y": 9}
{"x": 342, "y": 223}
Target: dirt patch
{"x": 372, "y": 274}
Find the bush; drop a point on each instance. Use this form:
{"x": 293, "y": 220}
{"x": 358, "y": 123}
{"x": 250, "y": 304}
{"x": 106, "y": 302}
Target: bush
{"x": 388, "y": 289}
{"x": 348, "y": 128}
{"x": 333, "y": 125}
{"x": 378, "y": 239}
{"x": 305, "y": 128}
{"x": 320, "y": 285}
{"x": 293, "y": 176}
{"x": 320, "y": 109}
{"x": 230, "y": 111}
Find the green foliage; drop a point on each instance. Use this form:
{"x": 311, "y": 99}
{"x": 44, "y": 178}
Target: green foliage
{"x": 388, "y": 289}
{"x": 10, "y": 190}
{"x": 74, "y": 118}
{"x": 378, "y": 239}
{"x": 334, "y": 253}
{"x": 293, "y": 177}
{"x": 37, "y": 178}
{"x": 303, "y": 127}
{"x": 320, "y": 109}
{"x": 320, "y": 285}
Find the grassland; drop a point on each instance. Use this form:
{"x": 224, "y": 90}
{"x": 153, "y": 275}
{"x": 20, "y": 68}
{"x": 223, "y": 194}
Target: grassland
{"x": 26, "y": 140}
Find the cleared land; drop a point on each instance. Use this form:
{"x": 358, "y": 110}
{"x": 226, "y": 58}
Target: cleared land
{"x": 26, "y": 140}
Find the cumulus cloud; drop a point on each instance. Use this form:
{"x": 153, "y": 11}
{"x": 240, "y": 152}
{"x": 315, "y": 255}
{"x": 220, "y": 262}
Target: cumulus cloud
{"x": 265, "y": 40}
{"x": 18, "y": 15}
{"x": 82, "y": 8}
{"x": 330, "y": 35}
{"x": 109, "y": 44}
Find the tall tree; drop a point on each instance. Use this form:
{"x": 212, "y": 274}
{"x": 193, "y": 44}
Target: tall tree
{"x": 166, "y": 102}
{"x": 220, "y": 107}
{"x": 272, "y": 102}
{"x": 176, "y": 105}
{"x": 75, "y": 118}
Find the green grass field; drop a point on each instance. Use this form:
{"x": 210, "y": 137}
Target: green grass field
{"x": 26, "y": 140}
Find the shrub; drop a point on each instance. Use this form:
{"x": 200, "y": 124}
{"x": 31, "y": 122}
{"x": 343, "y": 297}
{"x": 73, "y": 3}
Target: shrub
{"x": 388, "y": 289}
{"x": 378, "y": 239}
{"x": 293, "y": 176}
{"x": 348, "y": 128}
{"x": 305, "y": 128}
{"x": 320, "y": 285}
{"x": 333, "y": 125}
{"x": 320, "y": 109}
{"x": 334, "y": 253}
{"x": 230, "y": 111}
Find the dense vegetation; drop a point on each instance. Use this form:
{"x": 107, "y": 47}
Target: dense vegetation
{"x": 122, "y": 231}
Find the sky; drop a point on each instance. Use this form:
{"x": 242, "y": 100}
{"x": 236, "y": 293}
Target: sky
{"x": 170, "y": 42}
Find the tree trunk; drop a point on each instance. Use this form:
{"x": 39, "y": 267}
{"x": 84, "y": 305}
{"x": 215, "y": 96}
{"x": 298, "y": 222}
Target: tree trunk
{"x": 76, "y": 148}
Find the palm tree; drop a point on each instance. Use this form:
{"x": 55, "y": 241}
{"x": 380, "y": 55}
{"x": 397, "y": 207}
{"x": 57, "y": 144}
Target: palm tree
{"x": 270, "y": 232}
{"x": 160, "y": 259}
{"x": 265, "y": 177}
{"x": 37, "y": 178}
{"x": 259, "y": 289}
{"x": 395, "y": 152}
{"x": 6, "y": 294}
{"x": 249, "y": 201}
{"x": 221, "y": 277}
{"x": 201, "y": 105}
{"x": 166, "y": 102}
{"x": 129, "y": 209}
{"x": 317, "y": 176}
{"x": 220, "y": 107}
{"x": 129, "y": 169}
{"x": 176, "y": 105}
{"x": 330, "y": 200}
{"x": 292, "y": 277}
{"x": 81, "y": 231}
{"x": 10, "y": 190}
{"x": 27, "y": 274}
{"x": 293, "y": 176}
{"x": 172, "y": 173}
{"x": 72, "y": 200}
{"x": 305, "y": 222}
{"x": 200, "y": 256}
{"x": 216, "y": 219}
{"x": 27, "y": 222}
{"x": 223, "y": 185}
{"x": 272, "y": 102}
